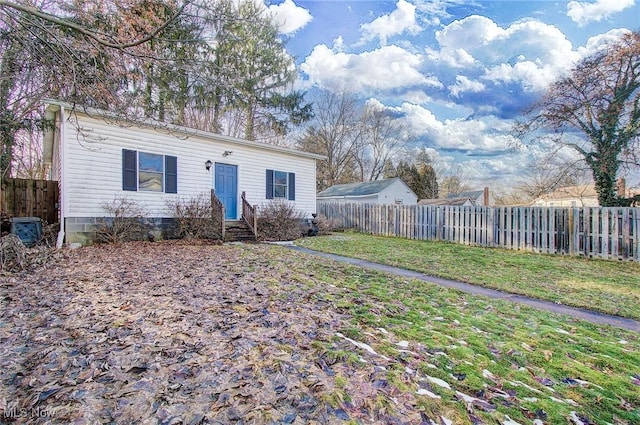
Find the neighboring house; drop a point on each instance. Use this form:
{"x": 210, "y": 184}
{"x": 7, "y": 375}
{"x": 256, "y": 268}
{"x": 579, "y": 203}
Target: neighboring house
{"x": 97, "y": 159}
{"x": 570, "y": 196}
{"x": 479, "y": 198}
{"x": 388, "y": 191}
{"x": 456, "y": 202}
{"x": 474, "y": 198}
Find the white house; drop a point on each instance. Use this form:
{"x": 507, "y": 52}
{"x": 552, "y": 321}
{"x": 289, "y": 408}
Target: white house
{"x": 97, "y": 158}
{"x": 388, "y": 191}
{"x": 570, "y": 196}
{"x": 479, "y": 198}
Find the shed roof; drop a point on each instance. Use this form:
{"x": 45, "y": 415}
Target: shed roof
{"x": 473, "y": 194}
{"x": 358, "y": 189}
{"x": 446, "y": 201}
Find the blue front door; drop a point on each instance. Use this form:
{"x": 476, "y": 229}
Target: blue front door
{"x": 227, "y": 189}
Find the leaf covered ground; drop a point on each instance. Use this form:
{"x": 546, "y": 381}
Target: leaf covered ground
{"x": 174, "y": 333}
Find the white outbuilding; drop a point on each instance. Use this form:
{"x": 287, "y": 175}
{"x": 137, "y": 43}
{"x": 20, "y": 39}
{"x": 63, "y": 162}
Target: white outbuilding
{"x": 387, "y": 191}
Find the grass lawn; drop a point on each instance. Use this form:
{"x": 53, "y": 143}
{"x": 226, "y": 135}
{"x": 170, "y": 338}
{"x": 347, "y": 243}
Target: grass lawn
{"x": 608, "y": 286}
{"x": 172, "y": 333}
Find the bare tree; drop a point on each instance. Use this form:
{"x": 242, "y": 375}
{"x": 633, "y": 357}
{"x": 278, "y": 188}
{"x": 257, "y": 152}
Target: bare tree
{"x": 595, "y": 110}
{"x": 335, "y": 132}
{"x": 27, "y": 162}
{"x": 383, "y": 138}
{"x": 544, "y": 175}
{"x": 452, "y": 179}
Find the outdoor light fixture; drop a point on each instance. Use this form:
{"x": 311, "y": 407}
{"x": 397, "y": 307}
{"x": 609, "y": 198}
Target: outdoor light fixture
{"x": 208, "y": 164}
{"x": 227, "y": 153}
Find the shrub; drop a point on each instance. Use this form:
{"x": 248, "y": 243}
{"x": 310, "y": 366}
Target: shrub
{"x": 125, "y": 222}
{"x": 15, "y": 257}
{"x": 49, "y": 234}
{"x": 194, "y": 218}
{"x": 326, "y": 225}
{"x": 278, "y": 220}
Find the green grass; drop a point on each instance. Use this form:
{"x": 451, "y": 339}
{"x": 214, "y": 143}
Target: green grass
{"x": 611, "y": 287}
{"x": 526, "y": 363}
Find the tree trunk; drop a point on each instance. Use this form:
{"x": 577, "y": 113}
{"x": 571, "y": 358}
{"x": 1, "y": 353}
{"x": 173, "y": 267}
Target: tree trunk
{"x": 605, "y": 171}
{"x": 249, "y": 126}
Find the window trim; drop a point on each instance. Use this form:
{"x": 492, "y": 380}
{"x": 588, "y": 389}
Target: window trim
{"x": 276, "y": 185}
{"x": 290, "y": 187}
{"x": 131, "y": 172}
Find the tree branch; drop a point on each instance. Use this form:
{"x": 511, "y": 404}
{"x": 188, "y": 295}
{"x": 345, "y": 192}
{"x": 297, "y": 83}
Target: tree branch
{"x": 82, "y": 30}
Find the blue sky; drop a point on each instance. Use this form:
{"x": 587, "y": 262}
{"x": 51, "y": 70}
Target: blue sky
{"x": 458, "y": 72}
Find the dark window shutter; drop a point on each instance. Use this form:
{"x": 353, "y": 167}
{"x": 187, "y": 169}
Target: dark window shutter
{"x": 170, "y": 174}
{"x": 269, "y": 194}
{"x": 292, "y": 186}
{"x": 129, "y": 170}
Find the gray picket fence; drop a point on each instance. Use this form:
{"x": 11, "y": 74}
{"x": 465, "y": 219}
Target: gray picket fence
{"x": 608, "y": 233}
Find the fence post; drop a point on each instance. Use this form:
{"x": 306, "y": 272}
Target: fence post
{"x": 573, "y": 234}
{"x": 438, "y": 223}
{"x": 635, "y": 223}
{"x": 604, "y": 219}
{"x": 614, "y": 232}
{"x": 625, "y": 240}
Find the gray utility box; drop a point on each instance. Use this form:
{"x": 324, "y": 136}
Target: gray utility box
{"x": 28, "y": 229}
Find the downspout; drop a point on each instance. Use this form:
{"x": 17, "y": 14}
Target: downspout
{"x": 61, "y": 186}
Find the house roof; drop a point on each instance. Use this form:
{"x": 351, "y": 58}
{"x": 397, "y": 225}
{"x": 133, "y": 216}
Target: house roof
{"x": 572, "y": 192}
{"x": 446, "y": 201}
{"x": 182, "y": 131}
{"x": 358, "y": 189}
{"x": 473, "y": 194}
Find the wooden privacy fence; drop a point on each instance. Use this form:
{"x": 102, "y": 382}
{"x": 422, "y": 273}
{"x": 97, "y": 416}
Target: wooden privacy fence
{"x": 610, "y": 233}
{"x": 29, "y": 198}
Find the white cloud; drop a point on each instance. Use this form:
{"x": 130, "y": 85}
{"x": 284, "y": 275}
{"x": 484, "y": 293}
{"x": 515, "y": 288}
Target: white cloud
{"x": 468, "y": 135}
{"x": 601, "y": 41}
{"x": 464, "y": 85}
{"x": 386, "y": 68}
{"x": 582, "y": 12}
{"x": 402, "y": 19}
{"x": 530, "y": 53}
{"x": 289, "y": 17}
{"x": 432, "y": 11}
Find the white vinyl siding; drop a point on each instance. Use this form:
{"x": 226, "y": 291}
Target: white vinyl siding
{"x": 93, "y": 167}
{"x": 397, "y": 193}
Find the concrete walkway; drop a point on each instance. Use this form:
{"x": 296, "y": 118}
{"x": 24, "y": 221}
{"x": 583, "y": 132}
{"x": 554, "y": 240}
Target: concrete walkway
{"x": 578, "y": 313}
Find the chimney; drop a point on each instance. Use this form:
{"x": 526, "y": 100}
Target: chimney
{"x": 486, "y": 196}
{"x": 621, "y": 187}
